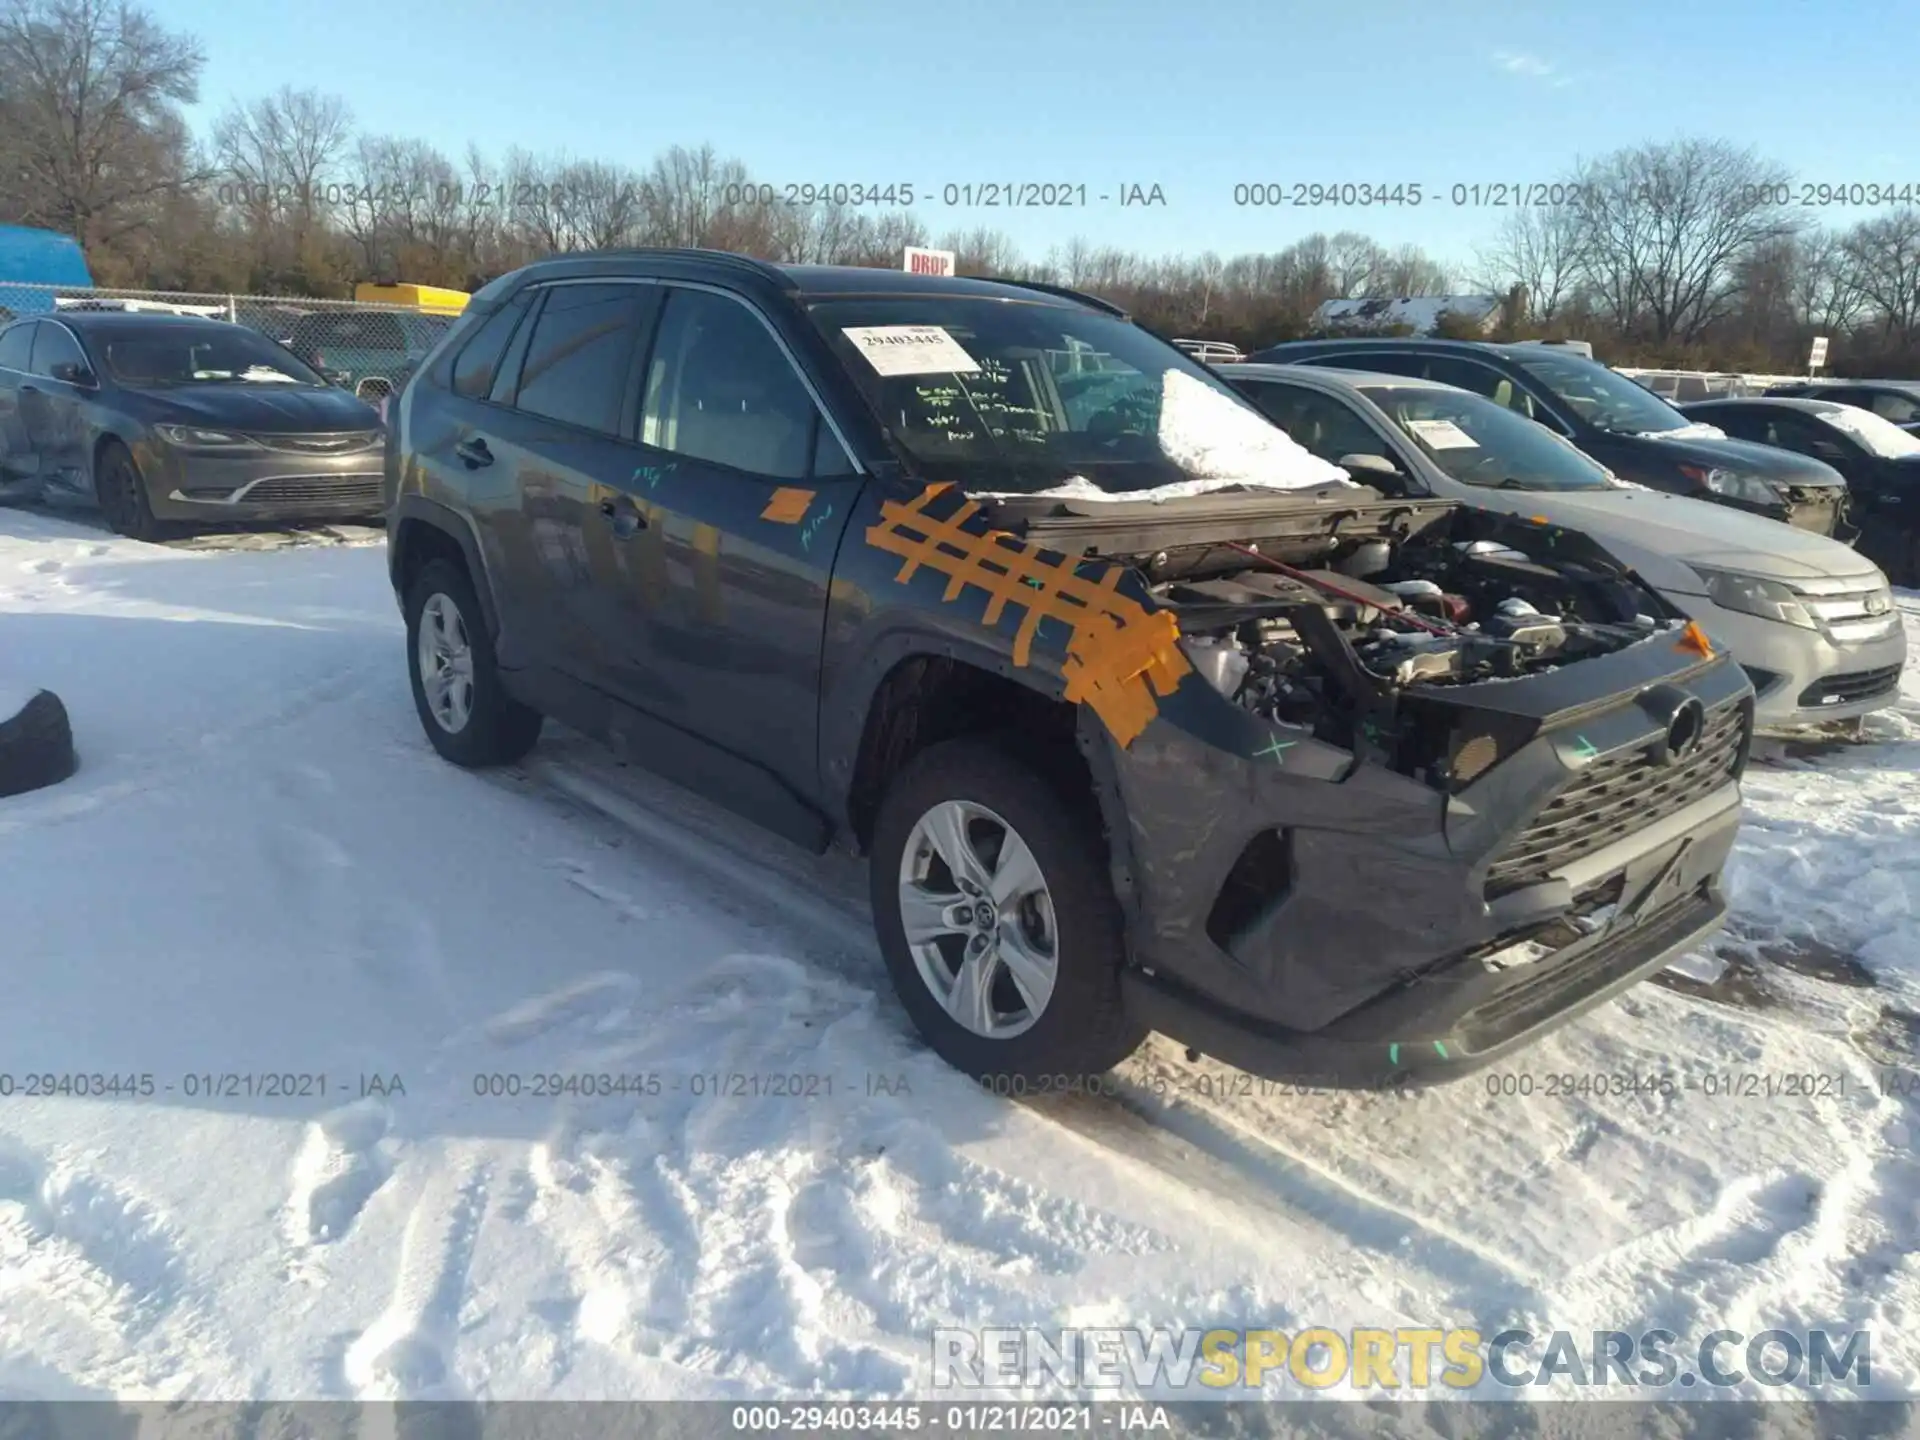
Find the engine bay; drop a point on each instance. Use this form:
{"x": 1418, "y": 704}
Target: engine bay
{"x": 1339, "y": 620}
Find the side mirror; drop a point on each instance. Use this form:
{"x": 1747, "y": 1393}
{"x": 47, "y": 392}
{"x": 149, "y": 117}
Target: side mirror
{"x": 72, "y": 372}
{"x": 1369, "y": 465}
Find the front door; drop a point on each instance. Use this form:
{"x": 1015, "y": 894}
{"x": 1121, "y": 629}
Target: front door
{"x": 18, "y": 466}
{"x": 53, "y": 408}
{"x": 721, "y": 537}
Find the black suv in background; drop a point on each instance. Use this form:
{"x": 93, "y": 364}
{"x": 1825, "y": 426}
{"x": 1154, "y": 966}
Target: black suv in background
{"x": 841, "y": 550}
{"x": 1617, "y": 421}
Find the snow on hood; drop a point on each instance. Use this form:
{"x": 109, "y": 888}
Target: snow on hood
{"x": 1880, "y": 435}
{"x": 1220, "y": 444}
{"x": 1697, "y": 430}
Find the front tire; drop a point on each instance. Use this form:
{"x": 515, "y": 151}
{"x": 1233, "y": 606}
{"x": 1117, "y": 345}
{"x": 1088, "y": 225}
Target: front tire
{"x": 122, "y": 492}
{"x": 465, "y": 710}
{"x": 997, "y": 919}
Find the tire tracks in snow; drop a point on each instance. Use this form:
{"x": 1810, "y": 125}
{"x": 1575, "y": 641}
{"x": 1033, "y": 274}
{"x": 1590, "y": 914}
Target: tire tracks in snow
{"x": 408, "y": 1353}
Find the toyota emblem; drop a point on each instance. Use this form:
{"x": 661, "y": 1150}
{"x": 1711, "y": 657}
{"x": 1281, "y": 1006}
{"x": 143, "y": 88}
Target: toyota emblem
{"x": 1685, "y": 730}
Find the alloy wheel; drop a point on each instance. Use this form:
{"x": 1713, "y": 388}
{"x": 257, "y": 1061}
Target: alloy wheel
{"x": 445, "y": 657}
{"x": 979, "y": 919}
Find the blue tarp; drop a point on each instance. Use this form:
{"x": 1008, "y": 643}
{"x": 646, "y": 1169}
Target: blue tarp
{"x": 33, "y": 258}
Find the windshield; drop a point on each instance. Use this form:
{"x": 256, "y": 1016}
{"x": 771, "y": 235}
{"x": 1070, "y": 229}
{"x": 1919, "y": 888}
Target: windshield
{"x": 1603, "y": 398}
{"x": 1480, "y": 443}
{"x": 1015, "y": 396}
{"x": 1879, "y": 434}
{"x": 197, "y": 355}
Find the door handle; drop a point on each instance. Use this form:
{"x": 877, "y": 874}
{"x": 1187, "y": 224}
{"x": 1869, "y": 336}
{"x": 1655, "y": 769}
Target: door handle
{"x": 624, "y": 516}
{"x": 474, "y": 452}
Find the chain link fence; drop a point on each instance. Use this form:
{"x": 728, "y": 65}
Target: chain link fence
{"x": 368, "y": 347}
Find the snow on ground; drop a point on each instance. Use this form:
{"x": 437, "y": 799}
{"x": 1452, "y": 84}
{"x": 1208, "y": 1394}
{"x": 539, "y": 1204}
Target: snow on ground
{"x": 262, "y": 870}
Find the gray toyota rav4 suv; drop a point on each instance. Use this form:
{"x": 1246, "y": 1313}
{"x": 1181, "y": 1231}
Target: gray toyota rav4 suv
{"x": 1146, "y": 718}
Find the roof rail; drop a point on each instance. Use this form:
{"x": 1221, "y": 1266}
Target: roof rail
{"x": 1092, "y": 302}
{"x": 764, "y": 269}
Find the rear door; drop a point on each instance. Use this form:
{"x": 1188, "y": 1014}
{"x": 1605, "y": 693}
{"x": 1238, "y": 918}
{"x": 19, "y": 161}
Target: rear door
{"x": 540, "y": 427}
{"x": 18, "y": 466}
{"x": 724, "y": 533}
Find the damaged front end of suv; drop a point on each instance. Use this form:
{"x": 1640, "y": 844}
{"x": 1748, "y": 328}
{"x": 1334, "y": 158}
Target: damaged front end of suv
{"x": 1431, "y": 780}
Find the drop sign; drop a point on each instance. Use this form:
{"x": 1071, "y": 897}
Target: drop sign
{"x": 928, "y": 262}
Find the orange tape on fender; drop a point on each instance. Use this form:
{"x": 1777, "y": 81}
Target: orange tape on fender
{"x": 1120, "y": 655}
{"x": 787, "y": 506}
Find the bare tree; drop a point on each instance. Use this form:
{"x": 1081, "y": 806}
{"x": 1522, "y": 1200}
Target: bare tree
{"x": 1539, "y": 249}
{"x": 276, "y": 155}
{"x": 92, "y": 141}
{"x": 1886, "y": 254}
{"x": 1662, "y": 228}
{"x": 1826, "y": 284}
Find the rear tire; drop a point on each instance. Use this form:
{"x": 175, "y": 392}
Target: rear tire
{"x": 465, "y": 710}
{"x": 1063, "y": 911}
{"x": 121, "y": 491}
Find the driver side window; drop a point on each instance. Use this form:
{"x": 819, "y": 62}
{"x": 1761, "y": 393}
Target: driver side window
{"x": 52, "y": 346}
{"x": 1322, "y": 425}
{"x": 1803, "y": 436}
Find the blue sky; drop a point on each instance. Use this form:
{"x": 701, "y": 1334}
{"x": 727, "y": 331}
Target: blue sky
{"x": 1195, "y": 98}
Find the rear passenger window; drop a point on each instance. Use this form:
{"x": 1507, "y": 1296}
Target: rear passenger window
{"x": 720, "y": 389}
{"x": 1380, "y": 362}
{"x": 579, "y": 354}
{"x": 478, "y": 363}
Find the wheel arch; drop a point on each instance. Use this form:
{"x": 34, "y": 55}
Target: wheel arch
{"x": 422, "y": 530}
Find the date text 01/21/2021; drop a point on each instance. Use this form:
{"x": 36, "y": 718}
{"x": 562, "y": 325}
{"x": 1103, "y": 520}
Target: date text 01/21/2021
{"x": 955, "y": 195}
{"x": 197, "y": 1085}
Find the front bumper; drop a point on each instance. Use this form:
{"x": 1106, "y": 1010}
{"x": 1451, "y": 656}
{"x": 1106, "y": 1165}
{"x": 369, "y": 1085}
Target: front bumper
{"x": 261, "y": 484}
{"x": 1342, "y": 924}
{"x": 1805, "y": 677}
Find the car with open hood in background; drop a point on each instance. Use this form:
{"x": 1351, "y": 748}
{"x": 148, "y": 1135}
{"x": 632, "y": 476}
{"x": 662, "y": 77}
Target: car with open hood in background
{"x": 1135, "y": 708}
{"x": 1620, "y": 423}
{"x": 1812, "y": 620}
{"x": 160, "y": 418}
{"x": 1880, "y": 460}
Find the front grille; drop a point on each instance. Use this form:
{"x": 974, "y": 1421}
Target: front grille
{"x": 343, "y": 442}
{"x": 1856, "y": 685}
{"x": 1813, "y": 507}
{"x": 328, "y": 490}
{"x": 1617, "y": 796}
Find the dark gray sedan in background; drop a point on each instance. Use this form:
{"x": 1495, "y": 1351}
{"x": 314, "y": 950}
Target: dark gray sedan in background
{"x": 159, "y": 419}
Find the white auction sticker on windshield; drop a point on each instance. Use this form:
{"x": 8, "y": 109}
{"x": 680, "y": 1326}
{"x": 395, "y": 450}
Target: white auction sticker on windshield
{"x": 1442, "y": 435}
{"x": 911, "y": 350}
